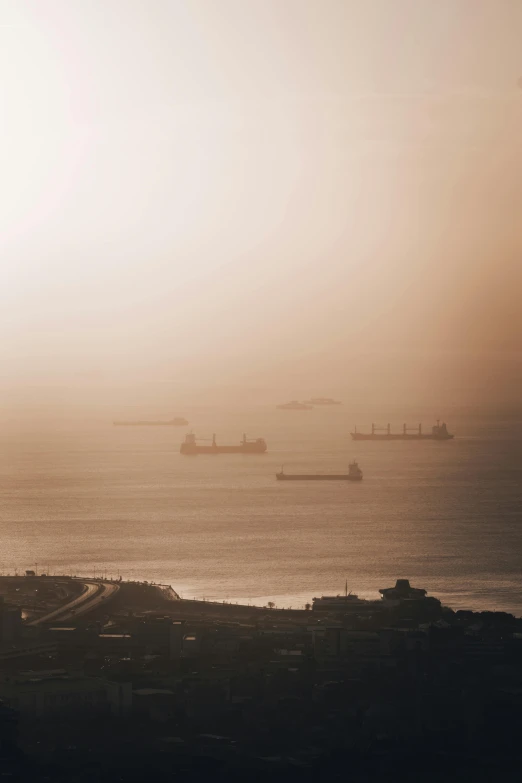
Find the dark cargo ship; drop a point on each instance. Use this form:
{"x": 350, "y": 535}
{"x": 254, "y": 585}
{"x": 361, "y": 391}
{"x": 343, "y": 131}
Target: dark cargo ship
{"x": 191, "y": 447}
{"x": 354, "y": 474}
{"x": 438, "y": 432}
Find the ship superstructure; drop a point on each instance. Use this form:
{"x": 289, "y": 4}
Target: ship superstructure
{"x": 438, "y": 432}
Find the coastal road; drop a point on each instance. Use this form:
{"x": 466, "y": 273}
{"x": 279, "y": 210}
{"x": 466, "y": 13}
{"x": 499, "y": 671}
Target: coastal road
{"x": 94, "y": 593}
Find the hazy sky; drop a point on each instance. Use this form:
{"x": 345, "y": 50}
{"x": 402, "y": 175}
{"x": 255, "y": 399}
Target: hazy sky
{"x": 261, "y": 190}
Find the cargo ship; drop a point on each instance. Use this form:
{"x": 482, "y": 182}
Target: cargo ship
{"x": 191, "y": 447}
{"x": 438, "y": 432}
{"x": 322, "y": 401}
{"x": 354, "y": 474}
{"x": 179, "y": 421}
{"x": 294, "y": 405}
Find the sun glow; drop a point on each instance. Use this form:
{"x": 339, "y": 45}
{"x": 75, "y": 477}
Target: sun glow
{"x": 168, "y": 174}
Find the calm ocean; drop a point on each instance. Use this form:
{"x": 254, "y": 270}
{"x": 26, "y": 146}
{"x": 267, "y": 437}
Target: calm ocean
{"x": 81, "y": 494}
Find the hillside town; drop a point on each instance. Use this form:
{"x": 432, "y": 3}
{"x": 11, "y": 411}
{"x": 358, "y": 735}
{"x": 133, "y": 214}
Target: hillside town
{"x": 124, "y": 681}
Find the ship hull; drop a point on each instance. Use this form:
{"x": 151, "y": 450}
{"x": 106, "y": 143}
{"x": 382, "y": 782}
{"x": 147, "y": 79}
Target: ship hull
{"x": 319, "y": 477}
{"x": 397, "y": 436}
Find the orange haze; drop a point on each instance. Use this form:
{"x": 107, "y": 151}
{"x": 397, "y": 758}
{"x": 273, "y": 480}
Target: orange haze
{"x": 266, "y": 197}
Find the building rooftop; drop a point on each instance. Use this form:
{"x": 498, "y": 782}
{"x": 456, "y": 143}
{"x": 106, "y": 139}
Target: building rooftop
{"x": 153, "y": 692}
{"x": 402, "y": 590}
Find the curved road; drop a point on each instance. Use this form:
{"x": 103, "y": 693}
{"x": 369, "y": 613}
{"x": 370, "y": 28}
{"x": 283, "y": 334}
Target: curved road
{"x": 92, "y": 596}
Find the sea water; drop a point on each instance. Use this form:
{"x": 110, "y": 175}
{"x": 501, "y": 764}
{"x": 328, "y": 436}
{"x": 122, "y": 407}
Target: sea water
{"x": 79, "y": 495}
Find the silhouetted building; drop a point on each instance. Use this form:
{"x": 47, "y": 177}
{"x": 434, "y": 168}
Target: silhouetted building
{"x": 53, "y": 693}
{"x": 8, "y": 732}
{"x": 10, "y": 622}
{"x": 402, "y": 591}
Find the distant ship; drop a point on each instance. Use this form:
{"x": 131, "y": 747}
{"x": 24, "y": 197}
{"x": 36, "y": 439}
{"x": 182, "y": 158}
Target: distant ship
{"x": 354, "y": 474}
{"x": 438, "y": 432}
{"x": 179, "y": 421}
{"x": 191, "y": 447}
{"x": 322, "y": 401}
{"x": 294, "y": 405}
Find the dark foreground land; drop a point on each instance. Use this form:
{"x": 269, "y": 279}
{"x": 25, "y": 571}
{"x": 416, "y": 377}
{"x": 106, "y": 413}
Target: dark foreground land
{"x": 146, "y": 687}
